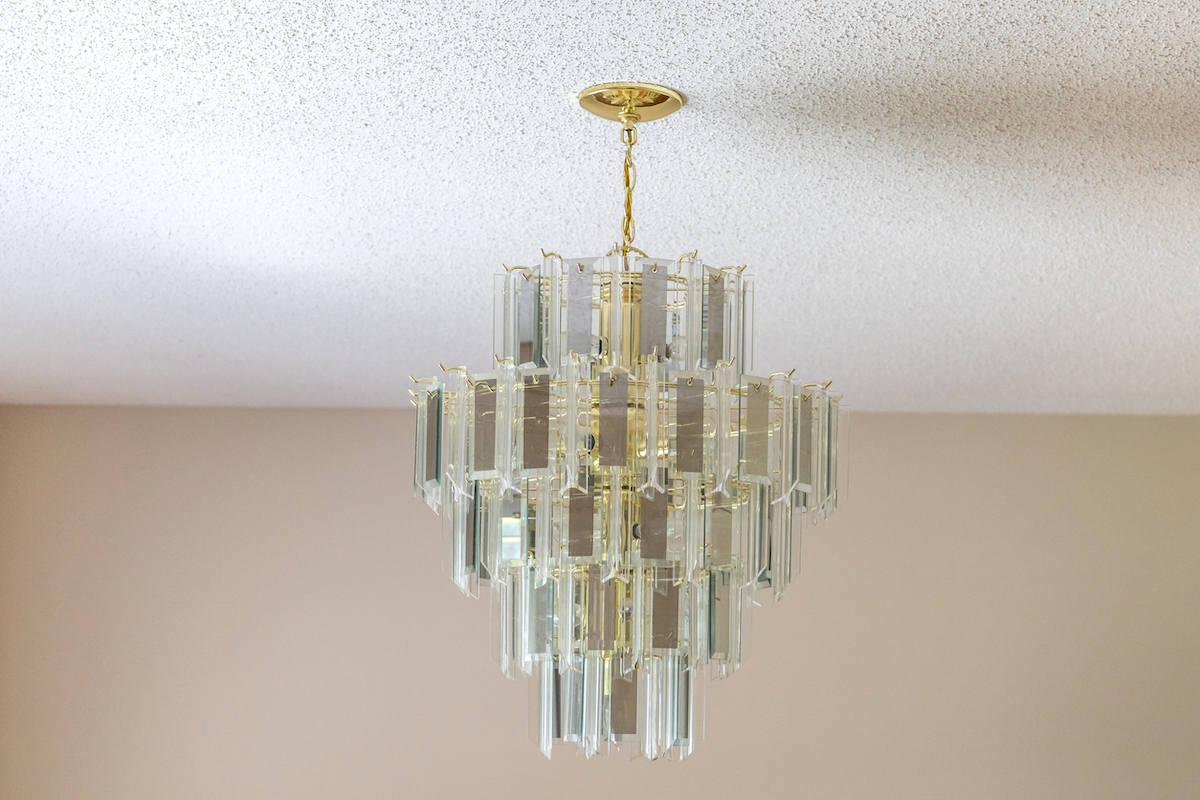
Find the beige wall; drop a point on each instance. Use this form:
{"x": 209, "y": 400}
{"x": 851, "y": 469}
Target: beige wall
{"x": 249, "y": 604}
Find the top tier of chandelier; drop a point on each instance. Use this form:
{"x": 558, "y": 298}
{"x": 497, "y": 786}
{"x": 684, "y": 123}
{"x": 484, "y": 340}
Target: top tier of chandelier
{"x": 622, "y": 481}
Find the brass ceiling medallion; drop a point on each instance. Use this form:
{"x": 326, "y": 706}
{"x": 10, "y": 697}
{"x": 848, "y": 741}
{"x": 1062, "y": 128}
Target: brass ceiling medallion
{"x": 647, "y": 100}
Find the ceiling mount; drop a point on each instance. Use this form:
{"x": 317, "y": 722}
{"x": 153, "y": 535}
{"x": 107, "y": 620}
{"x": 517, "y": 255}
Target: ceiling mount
{"x": 647, "y": 100}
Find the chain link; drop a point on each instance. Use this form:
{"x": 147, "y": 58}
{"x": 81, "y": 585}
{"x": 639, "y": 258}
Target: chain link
{"x": 629, "y": 139}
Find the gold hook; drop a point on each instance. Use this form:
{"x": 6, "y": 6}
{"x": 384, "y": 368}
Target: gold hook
{"x": 444, "y": 368}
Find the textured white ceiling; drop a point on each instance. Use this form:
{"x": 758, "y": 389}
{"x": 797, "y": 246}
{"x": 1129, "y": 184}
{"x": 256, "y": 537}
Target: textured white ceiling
{"x": 947, "y": 205}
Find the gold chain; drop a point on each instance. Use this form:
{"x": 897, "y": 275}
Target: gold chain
{"x": 629, "y": 119}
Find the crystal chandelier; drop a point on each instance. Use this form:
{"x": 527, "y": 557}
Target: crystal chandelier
{"x": 621, "y": 480}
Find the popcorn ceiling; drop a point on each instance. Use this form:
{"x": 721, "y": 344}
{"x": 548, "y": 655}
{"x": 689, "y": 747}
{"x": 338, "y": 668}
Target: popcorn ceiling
{"x": 948, "y": 206}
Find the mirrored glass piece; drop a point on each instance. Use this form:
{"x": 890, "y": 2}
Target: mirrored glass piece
{"x": 652, "y": 523}
{"x": 756, "y": 400}
{"x": 582, "y": 514}
{"x": 652, "y": 313}
{"x": 689, "y": 424}
{"x": 535, "y": 435}
{"x": 614, "y": 418}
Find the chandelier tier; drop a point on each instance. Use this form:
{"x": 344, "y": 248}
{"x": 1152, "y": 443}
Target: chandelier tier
{"x": 621, "y": 480}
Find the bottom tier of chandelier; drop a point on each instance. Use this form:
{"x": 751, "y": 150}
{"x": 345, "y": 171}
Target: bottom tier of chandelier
{"x": 624, "y": 517}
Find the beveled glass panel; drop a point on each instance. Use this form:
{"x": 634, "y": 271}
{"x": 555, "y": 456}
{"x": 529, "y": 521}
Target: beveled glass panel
{"x": 614, "y": 418}
{"x": 601, "y": 608}
{"x": 433, "y": 435}
{"x": 570, "y": 420}
{"x": 722, "y": 595}
{"x": 581, "y": 514}
{"x": 820, "y": 428}
{"x": 510, "y": 537}
{"x": 665, "y": 611}
{"x": 843, "y": 454}
{"x": 488, "y": 512}
{"x": 803, "y": 438}
{"x": 757, "y": 514}
{"x": 471, "y": 534}
{"x": 720, "y": 530}
{"x": 614, "y": 286}
{"x": 687, "y": 351}
{"x": 830, "y": 448}
{"x": 543, "y": 702}
{"x": 743, "y": 327}
{"x": 725, "y": 436}
{"x": 714, "y": 316}
{"x": 506, "y": 406}
{"x": 427, "y": 452}
{"x": 570, "y": 694}
{"x": 529, "y": 317}
{"x": 535, "y": 437}
{"x": 683, "y": 707}
{"x": 651, "y": 424}
{"x": 689, "y": 424}
{"x": 484, "y": 426}
{"x": 623, "y": 703}
{"x": 755, "y": 405}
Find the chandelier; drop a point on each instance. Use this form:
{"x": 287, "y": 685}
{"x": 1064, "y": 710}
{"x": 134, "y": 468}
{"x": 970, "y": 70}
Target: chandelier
{"x": 621, "y": 480}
